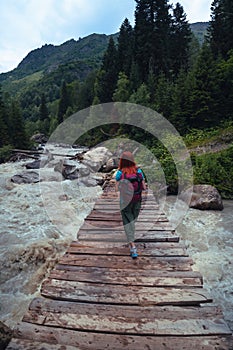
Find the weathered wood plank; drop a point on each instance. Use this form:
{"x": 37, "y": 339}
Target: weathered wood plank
{"x": 118, "y": 294}
{"x": 120, "y": 238}
{"x": 115, "y": 217}
{"x": 112, "y": 208}
{"x": 91, "y": 228}
{"x": 115, "y": 201}
{"x": 99, "y": 341}
{"x": 152, "y": 236}
{"x": 115, "y": 208}
{"x": 25, "y": 344}
{"x": 125, "y": 324}
{"x": 144, "y": 212}
{"x": 129, "y": 277}
{"x": 159, "y": 263}
{"x": 92, "y": 233}
{"x": 102, "y": 238}
{"x": 147, "y": 249}
{"x": 117, "y": 225}
{"x": 137, "y": 312}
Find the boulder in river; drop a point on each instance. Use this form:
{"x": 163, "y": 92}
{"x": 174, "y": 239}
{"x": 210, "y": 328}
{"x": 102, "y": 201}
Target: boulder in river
{"x": 5, "y": 335}
{"x": 39, "y": 138}
{"x": 26, "y": 177}
{"x": 40, "y": 163}
{"x": 204, "y": 197}
{"x": 110, "y": 165}
{"x": 96, "y": 158}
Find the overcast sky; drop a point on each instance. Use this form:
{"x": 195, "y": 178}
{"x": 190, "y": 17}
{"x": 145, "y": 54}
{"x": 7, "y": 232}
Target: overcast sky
{"x": 28, "y": 24}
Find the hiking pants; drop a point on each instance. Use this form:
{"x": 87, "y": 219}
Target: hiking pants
{"x": 129, "y": 216}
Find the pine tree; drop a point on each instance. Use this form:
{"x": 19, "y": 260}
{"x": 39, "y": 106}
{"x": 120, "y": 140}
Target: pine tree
{"x": 141, "y": 96}
{"x": 163, "y": 96}
{"x": 152, "y": 36}
{"x": 18, "y": 134}
{"x": 125, "y": 47}
{"x": 43, "y": 110}
{"x": 134, "y": 77}
{"x": 86, "y": 92}
{"x": 220, "y": 30}
{"x": 182, "y": 91}
{"x": 108, "y": 74}
{"x": 4, "y": 132}
{"x": 181, "y": 37}
{"x": 143, "y": 37}
{"x": 122, "y": 93}
{"x": 63, "y": 103}
{"x": 44, "y": 116}
{"x": 225, "y": 94}
{"x": 205, "y": 91}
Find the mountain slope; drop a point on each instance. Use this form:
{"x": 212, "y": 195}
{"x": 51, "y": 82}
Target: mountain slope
{"x": 199, "y": 29}
{"x": 49, "y": 57}
{"x": 43, "y": 70}
{"x": 88, "y": 49}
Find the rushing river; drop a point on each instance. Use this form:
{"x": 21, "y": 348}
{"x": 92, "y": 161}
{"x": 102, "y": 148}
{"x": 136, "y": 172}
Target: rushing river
{"x": 30, "y": 243}
{"x": 208, "y": 236}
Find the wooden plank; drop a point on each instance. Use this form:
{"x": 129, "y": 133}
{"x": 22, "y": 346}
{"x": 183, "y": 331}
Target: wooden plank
{"x": 91, "y": 233}
{"x": 144, "y": 211}
{"x": 116, "y": 217}
{"x": 129, "y": 277}
{"x": 99, "y": 341}
{"x": 151, "y": 236}
{"x": 25, "y": 344}
{"x": 150, "y": 210}
{"x": 155, "y": 220}
{"x": 118, "y": 294}
{"x": 121, "y": 238}
{"x": 116, "y": 209}
{"x": 117, "y": 224}
{"x": 137, "y": 312}
{"x": 102, "y": 238}
{"x": 156, "y": 230}
{"x": 115, "y": 202}
{"x": 147, "y": 249}
{"x": 134, "y": 324}
{"x": 124, "y": 262}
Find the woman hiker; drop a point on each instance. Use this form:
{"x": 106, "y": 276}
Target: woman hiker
{"x": 130, "y": 182}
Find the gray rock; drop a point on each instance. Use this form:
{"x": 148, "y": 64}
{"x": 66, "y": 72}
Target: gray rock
{"x": 33, "y": 165}
{"x": 87, "y": 181}
{"x": 26, "y": 178}
{"x": 39, "y": 138}
{"x": 84, "y": 171}
{"x": 40, "y": 163}
{"x": 5, "y": 335}
{"x": 96, "y": 158}
{"x": 204, "y": 197}
{"x": 110, "y": 165}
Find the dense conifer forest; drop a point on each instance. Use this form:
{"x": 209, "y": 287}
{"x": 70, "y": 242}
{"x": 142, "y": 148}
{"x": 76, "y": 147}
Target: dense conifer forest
{"x": 158, "y": 63}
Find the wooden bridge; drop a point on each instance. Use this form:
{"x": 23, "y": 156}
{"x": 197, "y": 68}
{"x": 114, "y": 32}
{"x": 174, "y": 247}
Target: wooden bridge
{"x": 98, "y": 298}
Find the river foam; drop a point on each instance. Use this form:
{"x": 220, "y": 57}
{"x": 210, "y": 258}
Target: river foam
{"x": 208, "y": 236}
{"x": 30, "y": 242}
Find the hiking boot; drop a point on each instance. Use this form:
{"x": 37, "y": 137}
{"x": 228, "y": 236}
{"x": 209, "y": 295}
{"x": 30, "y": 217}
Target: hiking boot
{"x": 133, "y": 253}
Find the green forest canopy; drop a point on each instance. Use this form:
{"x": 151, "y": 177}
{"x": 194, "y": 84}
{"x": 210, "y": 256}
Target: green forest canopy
{"x": 158, "y": 63}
